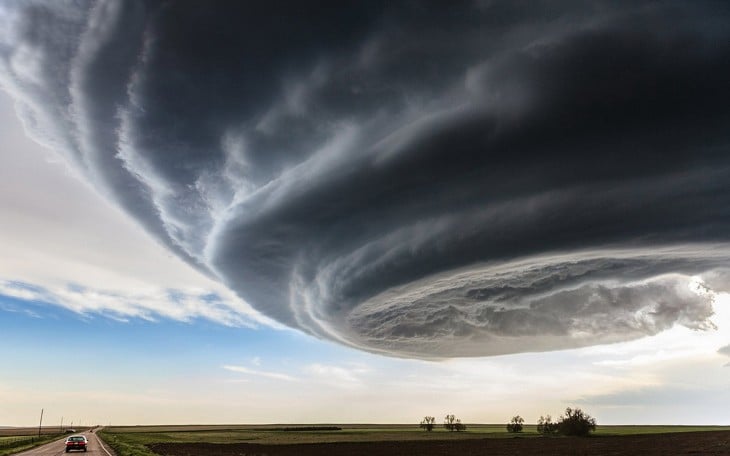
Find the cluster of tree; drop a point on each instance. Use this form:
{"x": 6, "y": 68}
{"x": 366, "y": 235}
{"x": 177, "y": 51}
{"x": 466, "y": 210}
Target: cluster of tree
{"x": 451, "y": 422}
{"x": 574, "y": 422}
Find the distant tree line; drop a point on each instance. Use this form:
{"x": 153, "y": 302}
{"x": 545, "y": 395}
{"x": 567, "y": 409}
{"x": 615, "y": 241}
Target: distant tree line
{"x": 575, "y": 422}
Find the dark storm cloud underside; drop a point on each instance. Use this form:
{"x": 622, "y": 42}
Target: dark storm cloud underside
{"x": 612, "y": 110}
{"x": 462, "y": 136}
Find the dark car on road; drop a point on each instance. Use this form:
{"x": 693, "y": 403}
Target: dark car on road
{"x": 76, "y": 442}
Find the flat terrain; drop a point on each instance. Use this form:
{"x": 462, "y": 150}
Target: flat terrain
{"x": 275, "y": 434}
{"x": 20, "y": 431}
{"x": 409, "y": 439}
{"x": 693, "y": 443}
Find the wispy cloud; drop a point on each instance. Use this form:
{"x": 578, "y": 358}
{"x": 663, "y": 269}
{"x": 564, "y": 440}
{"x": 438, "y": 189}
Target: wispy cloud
{"x": 148, "y": 304}
{"x": 260, "y": 373}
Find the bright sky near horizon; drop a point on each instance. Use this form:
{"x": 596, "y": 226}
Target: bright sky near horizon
{"x": 222, "y": 263}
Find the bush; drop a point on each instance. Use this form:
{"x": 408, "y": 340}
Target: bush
{"x": 515, "y": 425}
{"x": 576, "y": 422}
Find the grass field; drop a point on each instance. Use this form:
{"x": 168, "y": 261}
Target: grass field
{"x": 132, "y": 440}
{"x": 23, "y": 431}
{"x": 11, "y": 444}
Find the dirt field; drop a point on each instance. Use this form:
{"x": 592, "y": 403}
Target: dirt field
{"x": 686, "y": 443}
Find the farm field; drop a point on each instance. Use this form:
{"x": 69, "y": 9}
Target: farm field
{"x": 14, "y": 440}
{"x": 23, "y": 431}
{"x": 409, "y": 439}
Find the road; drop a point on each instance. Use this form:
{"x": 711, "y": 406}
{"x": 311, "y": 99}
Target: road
{"x": 57, "y": 448}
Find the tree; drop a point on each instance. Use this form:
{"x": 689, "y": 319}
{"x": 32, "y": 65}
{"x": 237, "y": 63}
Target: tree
{"x": 545, "y": 425}
{"x": 576, "y": 422}
{"x": 428, "y": 423}
{"x": 450, "y": 422}
{"x": 515, "y": 425}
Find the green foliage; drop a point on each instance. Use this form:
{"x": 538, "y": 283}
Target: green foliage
{"x": 515, "y": 425}
{"x": 576, "y": 422}
{"x": 428, "y": 423}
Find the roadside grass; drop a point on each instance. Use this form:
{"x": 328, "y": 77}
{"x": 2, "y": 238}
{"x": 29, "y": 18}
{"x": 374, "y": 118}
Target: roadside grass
{"x": 16, "y": 444}
{"x": 132, "y": 440}
{"x": 124, "y": 446}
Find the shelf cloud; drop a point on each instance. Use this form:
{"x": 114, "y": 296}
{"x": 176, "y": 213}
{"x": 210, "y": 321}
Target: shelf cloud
{"x": 410, "y": 178}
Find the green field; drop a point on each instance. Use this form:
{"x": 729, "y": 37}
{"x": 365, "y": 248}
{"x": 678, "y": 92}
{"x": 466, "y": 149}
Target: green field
{"x": 11, "y": 444}
{"x": 131, "y": 441}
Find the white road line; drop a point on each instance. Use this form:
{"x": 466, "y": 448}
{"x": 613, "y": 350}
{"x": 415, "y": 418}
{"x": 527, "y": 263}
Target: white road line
{"x": 102, "y": 445}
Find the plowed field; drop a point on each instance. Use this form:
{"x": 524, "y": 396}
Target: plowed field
{"x": 685, "y": 443}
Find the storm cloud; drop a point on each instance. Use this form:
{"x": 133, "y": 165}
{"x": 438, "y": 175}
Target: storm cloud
{"x": 410, "y": 178}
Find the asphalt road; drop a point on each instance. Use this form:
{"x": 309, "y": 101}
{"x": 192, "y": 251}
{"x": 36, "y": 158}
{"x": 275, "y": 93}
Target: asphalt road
{"x": 57, "y": 448}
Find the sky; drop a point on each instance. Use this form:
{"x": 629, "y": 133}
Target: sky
{"x": 280, "y": 213}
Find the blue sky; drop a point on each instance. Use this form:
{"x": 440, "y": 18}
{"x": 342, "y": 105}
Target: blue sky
{"x": 95, "y": 369}
{"x": 348, "y": 234}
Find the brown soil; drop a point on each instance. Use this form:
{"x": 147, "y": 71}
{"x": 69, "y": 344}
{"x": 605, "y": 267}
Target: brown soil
{"x": 684, "y": 443}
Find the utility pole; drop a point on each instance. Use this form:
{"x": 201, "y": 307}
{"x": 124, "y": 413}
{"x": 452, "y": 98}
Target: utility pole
{"x": 40, "y": 425}
{"x": 61, "y": 424}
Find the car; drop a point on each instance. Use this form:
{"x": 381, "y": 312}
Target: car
{"x": 76, "y": 442}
